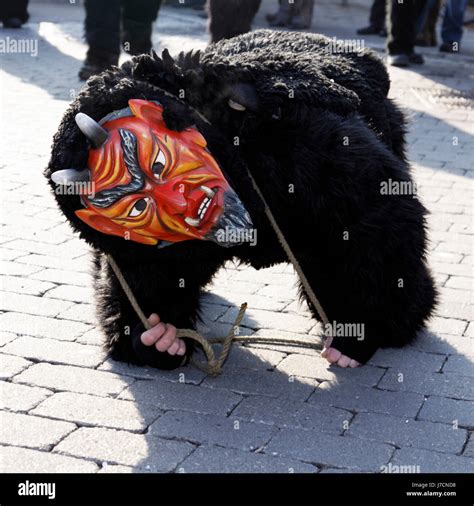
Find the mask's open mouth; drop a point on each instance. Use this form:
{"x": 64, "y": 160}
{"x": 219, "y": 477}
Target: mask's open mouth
{"x": 206, "y": 203}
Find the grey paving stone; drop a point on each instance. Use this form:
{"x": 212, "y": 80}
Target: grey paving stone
{"x": 452, "y": 411}
{"x": 212, "y": 429}
{"x": 315, "y": 345}
{"x": 121, "y": 447}
{"x": 6, "y": 337}
{"x": 115, "y": 469}
{"x": 443, "y": 344}
{"x": 188, "y": 374}
{"x": 60, "y": 276}
{"x": 9, "y": 254}
{"x": 98, "y": 411}
{"x": 24, "y": 285}
{"x": 278, "y": 292}
{"x": 460, "y": 283}
{"x": 11, "y": 365}
{"x": 443, "y": 256}
{"x": 211, "y": 312}
{"x": 257, "y": 318}
{"x": 326, "y": 449}
{"x": 460, "y": 364}
{"x": 266, "y": 276}
{"x": 69, "y": 249}
{"x": 214, "y": 459}
{"x": 407, "y": 432}
{"x": 222, "y": 285}
{"x": 41, "y": 326}
{"x": 432, "y": 462}
{"x": 298, "y": 307}
{"x": 77, "y": 265}
{"x": 16, "y": 269}
{"x": 318, "y": 368}
{"x": 94, "y": 336}
{"x": 59, "y": 352}
{"x": 74, "y": 379}
{"x": 359, "y": 398}
{"x": 447, "y": 326}
{"x": 20, "y": 397}
{"x": 80, "y": 312}
{"x": 24, "y": 460}
{"x": 71, "y": 292}
{"x": 462, "y": 310}
{"x": 469, "y": 450}
{"x": 407, "y": 358}
{"x": 454, "y": 269}
{"x": 469, "y": 332}
{"x": 251, "y": 358}
{"x": 216, "y": 296}
{"x": 274, "y": 384}
{"x": 287, "y": 413}
{"x": 445, "y": 384}
{"x": 336, "y": 470}
{"x": 170, "y": 395}
{"x": 30, "y": 304}
{"x": 209, "y": 329}
{"x": 31, "y": 431}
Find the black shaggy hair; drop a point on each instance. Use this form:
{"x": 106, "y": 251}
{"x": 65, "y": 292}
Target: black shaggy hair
{"x": 320, "y": 136}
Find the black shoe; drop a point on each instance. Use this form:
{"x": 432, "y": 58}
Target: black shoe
{"x": 416, "y": 58}
{"x": 368, "y": 30}
{"x": 12, "y": 23}
{"x": 449, "y": 47}
{"x": 271, "y": 17}
{"x": 399, "y": 60}
{"x": 94, "y": 65}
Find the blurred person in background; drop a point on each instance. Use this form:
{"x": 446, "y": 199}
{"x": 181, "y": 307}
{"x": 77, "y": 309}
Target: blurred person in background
{"x": 114, "y": 24}
{"x": 295, "y": 14}
{"x": 228, "y": 18}
{"x": 376, "y": 20}
{"x": 13, "y": 13}
{"x": 426, "y": 24}
{"x": 402, "y": 20}
{"x": 452, "y": 27}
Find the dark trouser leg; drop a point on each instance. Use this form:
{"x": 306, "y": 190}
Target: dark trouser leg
{"x": 401, "y": 24}
{"x": 377, "y": 14}
{"x": 451, "y": 30}
{"x": 14, "y": 9}
{"x": 137, "y": 24}
{"x": 303, "y": 14}
{"x": 284, "y": 14}
{"x": 229, "y": 18}
{"x": 103, "y": 31}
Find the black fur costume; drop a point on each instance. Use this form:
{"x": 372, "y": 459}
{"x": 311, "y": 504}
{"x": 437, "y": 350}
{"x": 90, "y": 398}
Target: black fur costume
{"x": 317, "y": 122}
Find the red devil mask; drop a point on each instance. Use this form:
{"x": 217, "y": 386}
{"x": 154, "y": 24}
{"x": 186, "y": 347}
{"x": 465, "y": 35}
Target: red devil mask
{"x": 153, "y": 185}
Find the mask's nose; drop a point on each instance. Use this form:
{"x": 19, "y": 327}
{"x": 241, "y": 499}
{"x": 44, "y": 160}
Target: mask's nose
{"x": 171, "y": 195}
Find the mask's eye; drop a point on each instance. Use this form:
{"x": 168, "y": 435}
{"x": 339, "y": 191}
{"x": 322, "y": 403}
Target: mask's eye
{"x": 138, "y": 208}
{"x": 159, "y": 164}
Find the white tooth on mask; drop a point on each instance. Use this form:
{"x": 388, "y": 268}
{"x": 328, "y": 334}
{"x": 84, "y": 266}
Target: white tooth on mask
{"x": 191, "y": 221}
{"x": 235, "y": 105}
{"x": 207, "y": 191}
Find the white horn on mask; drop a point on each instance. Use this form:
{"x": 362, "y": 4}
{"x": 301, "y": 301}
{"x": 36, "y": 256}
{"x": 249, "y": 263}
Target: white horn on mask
{"x": 68, "y": 176}
{"x": 96, "y": 134}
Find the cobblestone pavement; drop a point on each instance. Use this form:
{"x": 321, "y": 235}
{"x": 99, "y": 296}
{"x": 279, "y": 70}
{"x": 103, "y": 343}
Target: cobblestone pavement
{"x": 66, "y": 408}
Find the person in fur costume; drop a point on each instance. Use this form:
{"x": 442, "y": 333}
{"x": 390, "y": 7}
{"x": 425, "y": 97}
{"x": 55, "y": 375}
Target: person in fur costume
{"x": 151, "y": 164}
